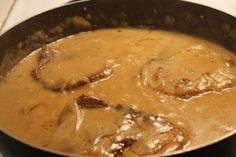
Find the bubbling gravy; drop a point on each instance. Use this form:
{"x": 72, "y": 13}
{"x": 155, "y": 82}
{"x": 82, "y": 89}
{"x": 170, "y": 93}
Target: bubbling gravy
{"x": 121, "y": 92}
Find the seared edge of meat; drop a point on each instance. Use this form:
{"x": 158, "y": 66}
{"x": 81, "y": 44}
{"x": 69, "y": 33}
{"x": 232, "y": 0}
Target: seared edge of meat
{"x": 153, "y": 75}
{"x": 138, "y": 129}
{"x": 46, "y": 55}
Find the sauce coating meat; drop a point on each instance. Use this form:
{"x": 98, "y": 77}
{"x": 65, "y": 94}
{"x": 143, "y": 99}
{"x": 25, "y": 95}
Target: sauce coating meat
{"x": 183, "y": 76}
{"x": 121, "y": 93}
{"x": 62, "y": 75}
{"x": 127, "y": 132}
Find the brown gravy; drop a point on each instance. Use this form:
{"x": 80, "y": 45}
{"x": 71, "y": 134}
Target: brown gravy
{"x": 121, "y": 92}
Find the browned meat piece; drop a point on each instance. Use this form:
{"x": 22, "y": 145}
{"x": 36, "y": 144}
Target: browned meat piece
{"x": 117, "y": 130}
{"x": 151, "y": 134}
{"x": 67, "y": 71}
{"x": 90, "y": 102}
{"x": 196, "y": 71}
{"x": 119, "y": 147}
{"x": 45, "y": 57}
{"x": 103, "y": 74}
{"x": 67, "y": 114}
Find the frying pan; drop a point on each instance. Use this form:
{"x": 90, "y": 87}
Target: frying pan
{"x": 172, "y": 15}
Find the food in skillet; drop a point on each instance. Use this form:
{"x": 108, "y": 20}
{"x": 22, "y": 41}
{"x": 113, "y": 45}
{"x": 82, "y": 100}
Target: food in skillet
{"x": 116, "y": 130}
{"x": 121, "y": 92}
{"x": 70, "y": 72}
{"x": 182, "y": 75}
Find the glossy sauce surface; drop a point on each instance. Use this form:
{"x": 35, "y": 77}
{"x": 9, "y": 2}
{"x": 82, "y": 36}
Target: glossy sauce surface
{"x": 121, "y": 92}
